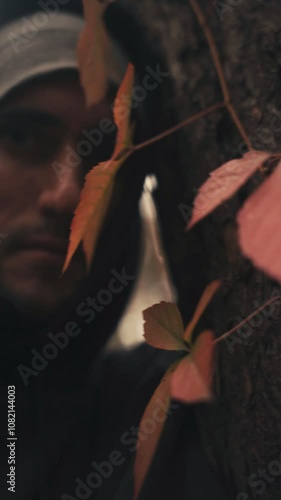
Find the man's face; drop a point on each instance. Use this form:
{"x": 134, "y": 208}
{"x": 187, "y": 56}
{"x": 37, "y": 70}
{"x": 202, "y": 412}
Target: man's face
{"x": 40, "y": 124}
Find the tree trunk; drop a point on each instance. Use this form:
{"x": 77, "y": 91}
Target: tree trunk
{"x": 241, "y": 429}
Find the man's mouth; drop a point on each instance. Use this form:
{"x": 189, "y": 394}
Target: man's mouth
{"x": 44, "y": 246}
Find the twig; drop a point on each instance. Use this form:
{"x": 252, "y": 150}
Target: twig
{"x": 218, "y": 65}
{"x": 177, "y": 127}
{"x": 252, "y": 315}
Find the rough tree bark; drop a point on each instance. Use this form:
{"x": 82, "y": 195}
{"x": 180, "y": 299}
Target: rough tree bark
{"x": 241, "y": 429}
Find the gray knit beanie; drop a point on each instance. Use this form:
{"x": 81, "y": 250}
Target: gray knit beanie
{"x": 40, "y": 44}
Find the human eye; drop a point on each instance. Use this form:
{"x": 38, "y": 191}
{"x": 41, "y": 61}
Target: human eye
{"x": 17, "y": 136}
{"x": 29, "y": 138}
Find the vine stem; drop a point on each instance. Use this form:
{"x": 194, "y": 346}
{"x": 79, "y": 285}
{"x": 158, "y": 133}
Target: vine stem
{"x": 252, "y": 315}
{"x": 177, "y": 127}
{"x": 218, "y": 65}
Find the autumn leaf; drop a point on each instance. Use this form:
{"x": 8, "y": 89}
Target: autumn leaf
{"x": 163, "y": 327}
{"x": 191, "y": 381}
{"x": 122, "y": 115}
{"x": 90, "y": 213}
{"x": 224, "y": 182}
{"x": 96, "y": 52}
{"x": 188, "y": 380}
{"x": 91, "y": 51}
{"x": 99, "y": 182}
{"x": 259, "y": 226}
{"x": 156, "y": 412}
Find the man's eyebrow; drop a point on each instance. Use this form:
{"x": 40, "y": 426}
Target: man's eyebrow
{"x": 29, "y": 115}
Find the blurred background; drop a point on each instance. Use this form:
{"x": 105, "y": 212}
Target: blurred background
{"x": 154, "y": 282}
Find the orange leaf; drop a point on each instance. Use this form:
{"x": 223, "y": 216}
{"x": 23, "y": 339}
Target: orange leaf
{"x": 91, "y": 209}
{"x": 224, "y": 182}
{"x": 100, "y": 60}
{"x": 163, "y": 327}
{"x": 191, "y": 382}
{"x": 122, "y": 113}
{"x": 207, "y": 296}
{"x": 96, "y": 193}
{"x": 156, "y": 412}
{"x": 259, "y": 226}
{"x": 92, "y": 49}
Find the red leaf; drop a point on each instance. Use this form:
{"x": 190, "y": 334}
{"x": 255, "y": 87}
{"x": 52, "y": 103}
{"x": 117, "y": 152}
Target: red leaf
{"x": 192, "y": 379}
{"x": 156, "y": 412}
{"x": 224, "y": 182}
{"x": 163, "y": 327}
{"x": 259, "y": 226}
{"x": 206, "y": 298}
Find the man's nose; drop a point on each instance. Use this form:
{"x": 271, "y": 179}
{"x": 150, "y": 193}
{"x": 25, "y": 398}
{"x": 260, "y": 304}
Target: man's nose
{"x": 62, "y": 193}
